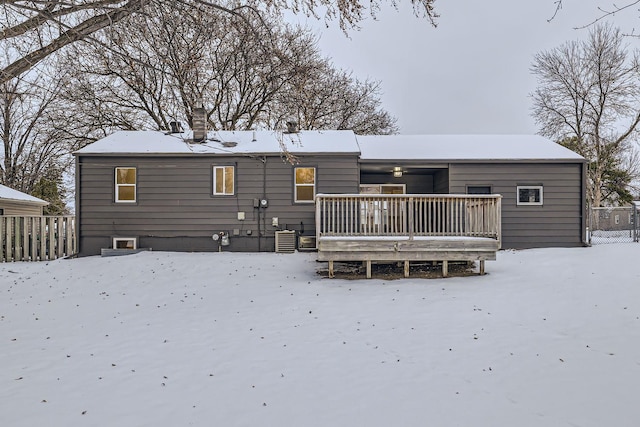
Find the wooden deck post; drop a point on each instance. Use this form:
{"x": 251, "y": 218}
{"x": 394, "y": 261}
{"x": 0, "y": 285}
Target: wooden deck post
{"x": 368, "y": 262}
{"x": 482, "y": 267}
{"x": 34, "y": 239}
{"x": 406, "y": 268}
{"x": 17, "y": 239}
{"x": 445, "y": 268}
{"x": 331, "y": 275}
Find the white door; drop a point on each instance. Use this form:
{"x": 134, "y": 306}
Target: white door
{"x": 376, "y": 216}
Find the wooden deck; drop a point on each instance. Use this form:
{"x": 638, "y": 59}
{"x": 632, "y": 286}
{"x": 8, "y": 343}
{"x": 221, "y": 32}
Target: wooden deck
{"x": 405, "y": 228}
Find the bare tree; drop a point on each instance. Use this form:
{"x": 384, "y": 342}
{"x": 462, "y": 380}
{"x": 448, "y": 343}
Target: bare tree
{"x": 588, "y": 98}
{"x": 32, "y": 145}
{"x": 31, "y": 30}
{"x": 248, "y": 75}
{"x": 328, "y": 98}
{"x": 165, "y": 64}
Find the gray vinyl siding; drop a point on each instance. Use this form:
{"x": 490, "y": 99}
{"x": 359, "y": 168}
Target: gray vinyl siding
{"x": 175, "y": 208}
{"x": 558, "y": 222}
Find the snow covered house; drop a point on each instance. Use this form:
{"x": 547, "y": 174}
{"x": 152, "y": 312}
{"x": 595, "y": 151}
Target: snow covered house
{"x": 17, "y": 203}
{"x": 235, "y": 190}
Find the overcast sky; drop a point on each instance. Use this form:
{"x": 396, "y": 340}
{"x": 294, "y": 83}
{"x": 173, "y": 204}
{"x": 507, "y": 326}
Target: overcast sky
{"x": 471, "y": 73}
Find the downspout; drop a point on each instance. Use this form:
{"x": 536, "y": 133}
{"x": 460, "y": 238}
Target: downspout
{"x": 259, "y": 237}
{"x": 77, "y": 207}
{"x": 264, "y": 194}
{"x": 261, "y": 225}
{"x": 585, "y": 232}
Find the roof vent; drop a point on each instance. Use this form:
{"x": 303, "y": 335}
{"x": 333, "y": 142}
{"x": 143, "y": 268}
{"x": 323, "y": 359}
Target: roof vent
{"x": 292, "y": 126}
{"x": 176, "y": 127}
{"x": 229, "y": 144}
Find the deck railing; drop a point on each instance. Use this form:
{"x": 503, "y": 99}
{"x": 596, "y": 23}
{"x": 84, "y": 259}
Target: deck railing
{"x": 36, "y": 238}
{"x": 411, "y": 215}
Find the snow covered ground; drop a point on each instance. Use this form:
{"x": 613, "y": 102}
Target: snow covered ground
{"x": 548, "y": 338}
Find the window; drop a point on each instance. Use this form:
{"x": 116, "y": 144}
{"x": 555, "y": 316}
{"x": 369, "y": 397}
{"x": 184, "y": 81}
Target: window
{"x": 478, "y": 189}
{"x": 124, "y": 243}
{"x": 530, "y": 195}
{"x": 305, "y": 184}
{"x": 383, "y": 188}
{"x": 223, "y": 180}
{"x": 125, "y": 185}
{"x": 392, "y": 189}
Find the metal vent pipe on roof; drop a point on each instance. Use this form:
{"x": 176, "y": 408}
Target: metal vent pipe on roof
{"x": 292, "y": 126}
{"x": 176, "y": 127}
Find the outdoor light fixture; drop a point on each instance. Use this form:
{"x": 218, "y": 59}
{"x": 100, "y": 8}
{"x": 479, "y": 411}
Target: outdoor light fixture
{"x": 397, "y": 171}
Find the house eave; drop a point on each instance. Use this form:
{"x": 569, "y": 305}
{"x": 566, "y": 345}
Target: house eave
{"x": 24, "y": 202}
{"x": 440, "y": 162}
{"x": 257, "y": 154}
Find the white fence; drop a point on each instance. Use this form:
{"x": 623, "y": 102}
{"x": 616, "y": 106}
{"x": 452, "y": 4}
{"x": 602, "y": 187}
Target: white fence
{"x": 408, "y": 214}
{"x": 36, "y": 238}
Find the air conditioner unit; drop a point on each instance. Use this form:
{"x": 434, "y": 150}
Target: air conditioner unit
{"x": 285, "y": 242}
{"x": 307, "y": 243}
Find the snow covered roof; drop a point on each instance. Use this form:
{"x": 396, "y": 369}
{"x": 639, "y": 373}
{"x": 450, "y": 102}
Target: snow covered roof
{"x": 7, "y": 193}
{"x": 225, "y": 142}
{"x": 462, "y": 147}
{"x": 371, "y": 147}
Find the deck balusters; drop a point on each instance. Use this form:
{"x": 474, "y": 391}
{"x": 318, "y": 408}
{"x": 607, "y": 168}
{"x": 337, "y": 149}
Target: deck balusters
{"x": 412, "y": 215}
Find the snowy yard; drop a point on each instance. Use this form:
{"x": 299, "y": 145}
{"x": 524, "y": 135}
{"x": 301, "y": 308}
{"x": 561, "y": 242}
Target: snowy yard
{"x": 548, "y": 338}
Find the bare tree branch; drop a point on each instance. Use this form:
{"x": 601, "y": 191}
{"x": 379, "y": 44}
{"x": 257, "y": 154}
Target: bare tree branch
{"x": 79, "y": 32}
{"x": 558, "y": 4}
{"x": 38, "y": 27}
{"x": 50, "y": 12}
{"x": 607, "y": 13}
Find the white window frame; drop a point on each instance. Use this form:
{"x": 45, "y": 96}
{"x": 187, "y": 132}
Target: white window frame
{"x": 378, "y": 188}
{"x": 117, "y": 186}
{"x": 223, "y": 192}
{"x": 296, "y": 185}
{"x": 125, "y": 239}
{"x": 540, "y": 188}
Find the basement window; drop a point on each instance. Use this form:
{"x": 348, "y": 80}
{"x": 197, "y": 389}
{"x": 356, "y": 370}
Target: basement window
{"x": 126, "y": 185}
{"x": 305, "y": 185}
{"x": 125, "y": 243}
{"x": 478, "y": 189}
{"x": 223, "y": 180}
{"x": 529, "y": 195}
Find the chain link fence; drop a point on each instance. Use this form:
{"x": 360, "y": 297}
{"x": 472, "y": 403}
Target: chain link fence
{"x": 614, "y": 224}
